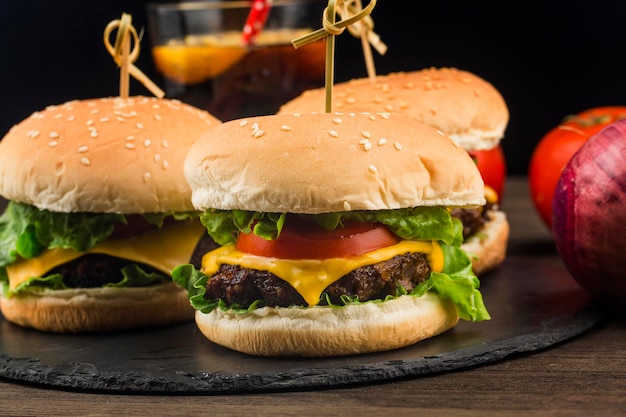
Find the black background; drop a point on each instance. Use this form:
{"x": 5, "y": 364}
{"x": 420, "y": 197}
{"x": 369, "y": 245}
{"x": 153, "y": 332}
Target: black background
{"x": 547, "y": 59}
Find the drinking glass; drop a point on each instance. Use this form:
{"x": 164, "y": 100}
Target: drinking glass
{"x": 198, "y": 49}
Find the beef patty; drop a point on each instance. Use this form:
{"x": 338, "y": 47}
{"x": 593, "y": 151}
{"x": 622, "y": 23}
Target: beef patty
{"x": 242, "y": 286}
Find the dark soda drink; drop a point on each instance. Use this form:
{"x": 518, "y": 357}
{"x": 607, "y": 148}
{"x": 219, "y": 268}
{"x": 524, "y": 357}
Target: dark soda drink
{"x": 218, "y": 73}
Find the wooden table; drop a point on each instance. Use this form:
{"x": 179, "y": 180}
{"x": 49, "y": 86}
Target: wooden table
{"x": 582, "y": 376}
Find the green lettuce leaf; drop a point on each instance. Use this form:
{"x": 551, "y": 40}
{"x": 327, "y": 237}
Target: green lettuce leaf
{"x": 420, "y": 223}
{"x": 26, "y": 231}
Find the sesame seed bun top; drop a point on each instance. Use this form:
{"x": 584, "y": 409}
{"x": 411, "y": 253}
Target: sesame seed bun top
{"x": 459, "y": 103}
{"x": 319, "y": 163}
{"x": 111, "y": 155}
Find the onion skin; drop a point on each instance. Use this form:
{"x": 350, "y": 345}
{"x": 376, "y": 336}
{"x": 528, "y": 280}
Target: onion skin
{"x": 589, "y": 215}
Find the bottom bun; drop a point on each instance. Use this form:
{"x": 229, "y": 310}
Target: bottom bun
{"x": 487, "y": 249}
{"x": 99, "y": 309}
{"x": 330, "y": 331}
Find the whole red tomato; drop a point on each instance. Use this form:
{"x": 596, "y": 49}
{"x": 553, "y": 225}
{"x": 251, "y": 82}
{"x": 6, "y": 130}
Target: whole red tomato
{"x": 557, "y": 147}
{"x": 492, "y": 167}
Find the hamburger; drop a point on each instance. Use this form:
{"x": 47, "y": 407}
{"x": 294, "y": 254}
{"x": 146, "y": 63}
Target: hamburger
{"x": 458, "y": 103}
{"x": 333, "y": 234}
{"x": 98, "y": 214}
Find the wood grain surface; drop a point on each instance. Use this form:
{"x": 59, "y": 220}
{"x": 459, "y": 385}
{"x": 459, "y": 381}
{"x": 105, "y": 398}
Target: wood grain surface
{"x": 582, "y": 376}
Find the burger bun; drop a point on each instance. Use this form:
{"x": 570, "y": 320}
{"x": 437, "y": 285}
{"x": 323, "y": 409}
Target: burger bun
{"x": 103, "y": 309}
{"x": 328, "y": 331}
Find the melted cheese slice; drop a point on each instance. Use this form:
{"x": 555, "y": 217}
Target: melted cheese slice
{"x": 311, "y": 276}
{"x": 162, "y": 249}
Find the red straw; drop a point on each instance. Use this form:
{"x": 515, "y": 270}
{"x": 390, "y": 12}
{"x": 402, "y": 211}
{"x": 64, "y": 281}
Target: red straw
{"x": 256, "y": 20}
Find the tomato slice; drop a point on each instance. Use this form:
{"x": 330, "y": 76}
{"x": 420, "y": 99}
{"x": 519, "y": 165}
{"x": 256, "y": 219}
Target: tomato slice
{"x": 301, "y": 239}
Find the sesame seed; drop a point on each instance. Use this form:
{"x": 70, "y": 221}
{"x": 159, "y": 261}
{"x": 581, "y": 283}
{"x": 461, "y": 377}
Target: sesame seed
{"x": 104, "y": 119}
{"x": 439, "y": 132}
{"x": 157, "y": 157}
{"x": 147, "y": 142}
{"x": 372, "y": 168}
{"x": 366, "y": 134}
{"x": 337, "y": 121}
{"x": 120, "y": 119}
{"x": 32, "y": 134}
{"x": 146, "y": 176}
{"x": 333, "y": 133}
{"x": 258, "y": 133}
{"x": 83, "y": 149}
{"x": 350, "y": 100}
{"x": 346, "y": 206}
{"x": 384, "y": 116}
{"x": 164, "y": 143}
{"x": 397, "y": 145}
{"x": 85, "y": 161}
{"x": 243, "y": 123}
{"x": 285, "y": 128}
{"x": 130, "y": 137}
{"x": 71, "y": 118}
{"x": 157, "y": 117}
{"x": 94, "y": 133}
{"x": 57, "y": 116}
{"x": 296, "y": 114}
{"x": 389, "y": 107}
{"x": 382, "y": 141}
{"x": 54, "y": 135}
{"x": 139, "y": 126}
{"x": 130, "y": 146}
{"x": 53, "y": 143}
{"x": 367, "y": 146}
{"x": 165, "y": 164}
{"x": 254, "y": 126}
{"x": 95, "y": 111}
{"x": 372, "y": 117}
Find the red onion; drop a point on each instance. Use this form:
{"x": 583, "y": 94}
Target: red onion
{"x": 589, "y": 215}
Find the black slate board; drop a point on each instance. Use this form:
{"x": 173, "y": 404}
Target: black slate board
{"x": 534, "y": 304}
